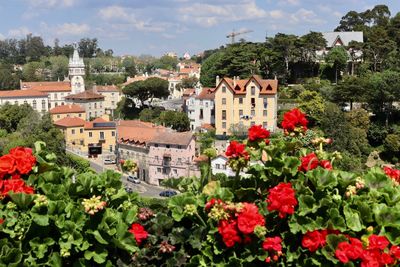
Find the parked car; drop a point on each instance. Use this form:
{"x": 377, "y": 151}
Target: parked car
{"x": 133, "y": 179}
{"x": 168, "y": 193}
{"x": 109, "y": 161}
{"x": 128, "y": 189}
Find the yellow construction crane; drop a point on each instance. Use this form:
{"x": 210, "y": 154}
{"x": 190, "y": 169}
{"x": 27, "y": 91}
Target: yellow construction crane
{"x": 233, "y": 34}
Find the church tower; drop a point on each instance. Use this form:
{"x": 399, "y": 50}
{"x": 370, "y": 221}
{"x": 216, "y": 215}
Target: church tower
{"x": 76, "y": 72}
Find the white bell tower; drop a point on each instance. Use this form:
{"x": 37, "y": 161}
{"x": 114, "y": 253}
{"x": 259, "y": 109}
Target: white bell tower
{"x": 76, "y": 72}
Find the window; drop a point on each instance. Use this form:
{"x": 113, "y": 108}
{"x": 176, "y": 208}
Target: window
{"x": 217, "y": 166}
{"x": 156, "y": 157}
{"x": 111, "y": 148}
{"x": 252, "y": 123}
{"x": 201, "y": 114}
{"x": 58, "y": 116}
{"x": 62, "y": 103}
{"x": 55, "y": 104}
{"x": 101, "y": 135}
{"x": 34, "y": 104}
{"x": 112, "y": 133}
{"x": 113, "y": 103}
{"x": 90, "y": 134}
{"x": 95, "y": 105}
{"x": 223, "y": 89}
{"x": 81, "y": 130}
{"x": 175, "y": 171}
{"x": 25, "y": 102}
{"x": 265, "y": 112}
{"x": 80, "y": 115}
{"x": 224, "y": 166}
{"x": 43, "y": 104}
{"x": 265, "y": 125}
{"x": 265, "y": 103}
{"x": 156, "y": 145}
{"x": 158, "y": 169}
{"x": 90, "y": 114}
{"x": 167, "y": 146}
{"x": 73, "y": 131}
{"x": 240, "y": 112}
{"x": 223, "y": 125}
{"x": 55, "y": 96}
{"x": 224, "y": 101}
{"x": 16, "y": 102}
{"x": 224, "y": 114}
{"x": 206, "y": 104}
{"x": 240, "y": 100}
{"x": 112, "y": 94}
{"x": 253, "y": 102}
{"x": 253, "y": 112}
{"x": 253, "y": 90}
{"x": 81, "y": 142}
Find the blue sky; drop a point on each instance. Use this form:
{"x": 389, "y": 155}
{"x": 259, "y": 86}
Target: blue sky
{"x": 158, "y": 26}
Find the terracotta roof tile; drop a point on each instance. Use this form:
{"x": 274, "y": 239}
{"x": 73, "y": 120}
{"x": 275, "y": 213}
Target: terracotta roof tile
{"x": 173, "y": 138}
{"x": 70, "y": 122}
{"x": 207, "y": 93}
{"x": 88, "y": 94}
{"x": 47, "y": 86}
{"x": 188, "y": 92}
{"x": 21, "y": 93}
{"x": 106, "y": 88}
{"x": 268, "y": 87}
{"x": 207, "y": 126}
{"x": 139, "y": 132}
{"x": 67, "y": 109}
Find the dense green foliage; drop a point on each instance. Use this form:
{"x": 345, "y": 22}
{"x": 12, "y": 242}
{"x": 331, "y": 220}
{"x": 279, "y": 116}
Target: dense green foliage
{"x": 147, "y": 90}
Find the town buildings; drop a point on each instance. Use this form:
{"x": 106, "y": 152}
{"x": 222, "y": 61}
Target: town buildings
{"x": 112, "y": 95}
{"x": 39, "y": 101}
{"x": 70, "y": 110}
{"x": 245, "y": 102}
{"x": 159, "y": 152}
{"x": 91, "y": 101}
{"x": 200, "y": 108}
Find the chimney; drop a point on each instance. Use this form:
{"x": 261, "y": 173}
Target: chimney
{"x": 234, "y": 81}
{"x": 95, "y": 88}
{"x": 216, "y": 81}
{"x": 275, "y": 78}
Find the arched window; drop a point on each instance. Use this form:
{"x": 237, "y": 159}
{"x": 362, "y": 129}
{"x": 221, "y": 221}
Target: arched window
{"x": 43, "y": 105}
{"x": 34, "y": 104}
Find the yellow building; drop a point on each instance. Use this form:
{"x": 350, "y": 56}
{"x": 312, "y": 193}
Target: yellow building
{"x": 100, "y": 133}
{"x": 246, "y": 102}
{"x": 72, "y": 110}
{"x": 73, "y": 129}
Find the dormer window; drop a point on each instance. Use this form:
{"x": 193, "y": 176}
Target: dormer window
{"x": 223, "y": 89}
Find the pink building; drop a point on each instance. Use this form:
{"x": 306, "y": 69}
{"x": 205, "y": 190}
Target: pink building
{"x": 171, "y": 155}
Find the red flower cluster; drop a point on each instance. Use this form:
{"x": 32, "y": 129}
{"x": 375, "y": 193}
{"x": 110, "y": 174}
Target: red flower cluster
{"x": 392, "y": 173}
{"x": 139, "y": 233}
{"x": 314, "y": 240}
{"x": 311, "y": 161}
{"x": 282, "y": 198}
{"x": 1, "y": 221}
{"x": 257, "y": 133}
{"x": 376, "y": 253}
{"x": 237, "y": 150}
{"x": 239, "y": 221}
{"x": 293, "y": 119}
{"x": 273, "y": 245}
{"x": 249, "y": 218}
{"x": 18, "y": 162}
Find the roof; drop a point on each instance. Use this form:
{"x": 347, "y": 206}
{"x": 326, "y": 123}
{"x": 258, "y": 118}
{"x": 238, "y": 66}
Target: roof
{"x": 238, "y": 87}
{"x": 207, "y": 126}
{"x": 47, "y": 86}
{"x": 70, "y": 122}
{"x": 188, "y": 92}
{"x": 106, "y": 88}
{"x": 100, "y": 123}
{"x": 85, "y": 95}
{"x": 21, "y": 93}
{"x": 200, "y": 158}
{"x": 207, "y": 94}
{"x": 136, "y": 131}
{"x": 173, "y": 138}
{"x": 67, "y": 109}
{"x": 345, "y": 37}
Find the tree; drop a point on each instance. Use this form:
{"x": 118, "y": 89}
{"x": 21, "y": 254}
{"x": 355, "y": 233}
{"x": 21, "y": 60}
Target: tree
{"x": 178, "y": 121}
{"x": 166, "y": 62}
{"x": 88, "y": 47}
{"x": 189, "y": 82}
{"x": 338, "y": 57}
{"x": 211, "y": 68}
{"x": 378, "y": 46}
{"x": 351, "y": 90}
{"x": 313, "y": 105}
{"x": 33, "y": 71}
{"x": 352, "y": 21}
{"x": 147, "y": 90}
{"x": 354, "y": 49}
{"x": 285, "y": 44}
{"x": 150, "y": 114}
{"x": 238, "y": 130}
{"x": 130, "y": 67}
{"x": 59, "y": 67}
{"x": 11, "y": 115}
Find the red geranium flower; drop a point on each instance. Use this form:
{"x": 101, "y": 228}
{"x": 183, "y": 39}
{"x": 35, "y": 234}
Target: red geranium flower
{"x": 309, "y": 162}
{"x": 326, "y": 164}
{"x": 139, "y": 233}
{"x": 257, "y": 133}
{"x": 237, "y": 150}
{"x": 349, "y": 251}
{"x": 272, "y": 243}
{"x": 395, "y": 251}
{"x": 1, "y": 221}
{"x": 314, "y": 240}
{"x": 17, "y": 186}
{"x": 211, "y": 203}
{"x": 7, "y": 165}
{"x": 249, "y": 218}
{"x": 377, "y": 242}
{"x": 24, "y": 159}
{"x": 294, "y": 118}
{"x": 392, "y": 173}
{"x": 282, "y": 198}
{"x": 229, "y": 233}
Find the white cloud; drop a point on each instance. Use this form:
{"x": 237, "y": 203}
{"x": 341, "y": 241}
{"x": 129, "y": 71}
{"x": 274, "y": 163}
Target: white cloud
{"x": 2, "y": 37}
{"x": 276, "y": 14}
{"x": 305, "y": 15}
{"x": 72, "y": 29}
{"x": 208, "y": 15}
{"x": 52, "y": 3}
{"x": 19, "y": 32}
{"x": 118, "y": 14}
{"x": 289, "y": 2}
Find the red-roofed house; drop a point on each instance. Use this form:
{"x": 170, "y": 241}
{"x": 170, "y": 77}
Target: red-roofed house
{"x": 37, "y": 100}
{"x": 72, "y": 127}
{"x": 90, "y": 100}
{"x": 71, "y": 110}
{"x": 200, "y": 109}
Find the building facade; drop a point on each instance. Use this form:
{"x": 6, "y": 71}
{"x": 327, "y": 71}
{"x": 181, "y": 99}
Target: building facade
{"x": 200, "y": 108}
{"x": 39, "y": 101}
{"x": 70, "y": 110}
{"x": 245, "y": 102}
{"x": 73, "y": 130}
{"x": 90, "y": 101}
{"x": 112, "y": 95}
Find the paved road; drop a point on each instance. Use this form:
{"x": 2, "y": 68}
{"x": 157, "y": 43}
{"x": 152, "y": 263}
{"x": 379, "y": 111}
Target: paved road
{"x": 143, "y": 188}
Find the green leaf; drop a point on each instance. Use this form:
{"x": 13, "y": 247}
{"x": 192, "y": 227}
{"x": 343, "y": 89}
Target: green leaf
{"x": 42, "y": 220}
{"x": 99, "y": 255}
{"x": 177, "y": 204}
{"x": 23, "y": 201}
{"x": 353, "y": 219}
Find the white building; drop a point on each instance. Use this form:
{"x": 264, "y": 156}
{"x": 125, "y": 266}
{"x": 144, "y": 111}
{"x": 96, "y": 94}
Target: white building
{"x": 39, "y": 101}
{"x": 201, "y": 110}
{"x": 220, "y": 165}
{"x": 334, "y": 39}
